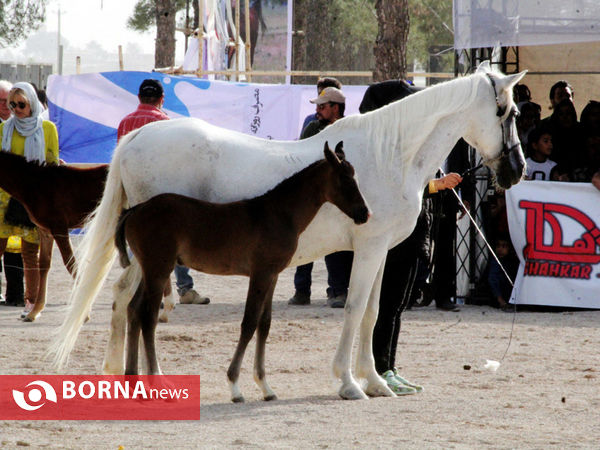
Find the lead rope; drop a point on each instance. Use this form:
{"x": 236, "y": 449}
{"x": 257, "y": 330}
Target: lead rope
{"x": 495, "y": 257}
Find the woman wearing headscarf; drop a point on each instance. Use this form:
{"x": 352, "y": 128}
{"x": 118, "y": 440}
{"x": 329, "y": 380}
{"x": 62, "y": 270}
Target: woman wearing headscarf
{"x": 26, "y": 134}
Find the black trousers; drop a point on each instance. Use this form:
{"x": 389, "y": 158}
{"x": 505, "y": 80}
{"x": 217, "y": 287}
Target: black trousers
{"x": 339, "y": 266}
{"x": 398, "y": 281}
{"x": 13, "y": 270}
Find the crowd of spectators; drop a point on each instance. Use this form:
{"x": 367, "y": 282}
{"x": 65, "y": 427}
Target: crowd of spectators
{"x": 557, "y": 148}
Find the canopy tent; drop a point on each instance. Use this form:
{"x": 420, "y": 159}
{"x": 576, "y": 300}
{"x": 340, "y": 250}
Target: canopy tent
{"x": 507, "y": 23}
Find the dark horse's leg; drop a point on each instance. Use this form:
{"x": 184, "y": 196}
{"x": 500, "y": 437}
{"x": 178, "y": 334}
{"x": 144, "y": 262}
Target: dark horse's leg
{"x": 39, "y": 278}
{"x": 264, "y": 324}
{"x": 149, "y": 310}
{"x": 133, "y": 331}
{"x": 66, "y": 251}
{"x": 259, "y": 287}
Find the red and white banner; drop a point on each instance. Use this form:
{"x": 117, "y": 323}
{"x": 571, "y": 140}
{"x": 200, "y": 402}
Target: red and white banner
{"x": 96, "y": 397}
{"x": 555, "y": 229}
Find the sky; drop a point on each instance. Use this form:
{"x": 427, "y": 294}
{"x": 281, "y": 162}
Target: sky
{"x": 103, "y": 21}
{"x": 85, "y": 21}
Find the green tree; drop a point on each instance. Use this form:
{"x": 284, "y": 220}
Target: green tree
{"x": 18, "y": 18}
{"x": 431, "y": 25}
{"x": 162, "y": 14}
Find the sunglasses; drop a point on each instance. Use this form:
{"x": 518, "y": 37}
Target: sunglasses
{"x": 21, "y": 105}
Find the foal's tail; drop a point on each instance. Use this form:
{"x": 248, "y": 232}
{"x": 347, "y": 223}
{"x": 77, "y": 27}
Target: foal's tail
{"x": 120, "y": 241}
{"x": 94, "y": 257}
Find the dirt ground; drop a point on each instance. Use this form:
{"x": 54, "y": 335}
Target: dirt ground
{"x": 544, "y": 395}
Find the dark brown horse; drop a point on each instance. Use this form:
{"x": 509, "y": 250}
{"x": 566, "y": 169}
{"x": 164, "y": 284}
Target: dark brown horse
{"x": 256, "y": 238}
{"x": 57, "y": 198}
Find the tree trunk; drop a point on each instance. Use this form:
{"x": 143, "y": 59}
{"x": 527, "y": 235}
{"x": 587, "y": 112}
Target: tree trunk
{"x": 299, "y": 39}
{"x": 390, "y": 46}
{"x": 164, "y": 47}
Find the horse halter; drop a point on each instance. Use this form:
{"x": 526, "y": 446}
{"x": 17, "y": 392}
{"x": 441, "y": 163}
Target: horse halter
{"x": 505, "y": 124}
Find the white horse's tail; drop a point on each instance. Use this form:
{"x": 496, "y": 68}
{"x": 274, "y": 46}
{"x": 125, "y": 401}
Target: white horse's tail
{"x": 94, "y": 257}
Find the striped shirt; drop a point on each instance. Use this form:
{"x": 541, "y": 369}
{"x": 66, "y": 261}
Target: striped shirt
{"x": 141, "y": 116}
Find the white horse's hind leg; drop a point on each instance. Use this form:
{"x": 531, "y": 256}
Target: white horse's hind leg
{"x": 365, "y": 363}
{"x": 123, "y": 291}
{"x": 367, "y": 261}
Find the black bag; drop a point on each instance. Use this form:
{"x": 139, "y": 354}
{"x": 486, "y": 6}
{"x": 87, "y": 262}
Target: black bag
{"x": 16, "y": 215}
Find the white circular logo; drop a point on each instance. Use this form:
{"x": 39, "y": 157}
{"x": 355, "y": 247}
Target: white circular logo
{"x": 35, "y": 396}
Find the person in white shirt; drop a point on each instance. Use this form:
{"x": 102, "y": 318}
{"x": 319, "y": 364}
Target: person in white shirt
{"x": 539, "y": 147}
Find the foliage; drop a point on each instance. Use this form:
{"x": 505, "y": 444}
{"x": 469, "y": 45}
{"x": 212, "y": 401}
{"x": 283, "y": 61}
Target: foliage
{"x": 144, "y": 14}
{"x": 18, "y": 18}
{"x": 430, "y": 24}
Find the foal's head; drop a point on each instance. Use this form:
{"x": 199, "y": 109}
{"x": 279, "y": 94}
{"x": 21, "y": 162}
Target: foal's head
{"x": 342, "y": 189}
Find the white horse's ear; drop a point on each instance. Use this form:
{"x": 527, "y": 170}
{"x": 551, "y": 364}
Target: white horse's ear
{"x": 510, "y": 80}
{"x": 484, "y": 67}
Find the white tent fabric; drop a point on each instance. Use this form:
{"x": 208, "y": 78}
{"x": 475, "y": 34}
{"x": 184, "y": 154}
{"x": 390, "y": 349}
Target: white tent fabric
{"x": 491, "y": 23}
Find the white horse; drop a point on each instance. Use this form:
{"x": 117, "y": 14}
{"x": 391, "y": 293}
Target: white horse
{"x": 395, "y": 151}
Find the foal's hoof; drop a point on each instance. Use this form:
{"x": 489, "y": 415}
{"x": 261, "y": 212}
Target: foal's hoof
{"x": 271, "y": 397}
{"x": 163, "y": 318}
{"x": 239, "y": 399}
{"x": 31, "y": 317}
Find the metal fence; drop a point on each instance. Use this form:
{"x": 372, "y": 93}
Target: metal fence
{"x": 32, "y": 73}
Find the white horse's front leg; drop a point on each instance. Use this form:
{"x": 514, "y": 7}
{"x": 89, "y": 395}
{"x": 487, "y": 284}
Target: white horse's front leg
{"x": 365, "y": 363}
{"x": 367, "y": 261}
{"x": 123, "y": 291}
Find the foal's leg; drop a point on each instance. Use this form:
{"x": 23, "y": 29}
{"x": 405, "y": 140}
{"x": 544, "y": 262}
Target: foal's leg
{"x": 148, "y": 313}
{"x": 259, "y": 286}
{"x": 133, "y": 330}
{"x": 66, "y": 251}
{"x": 169, "y": 302}
{"x": 45, "y": 260}
{"x": 367, "y": 261}
{"x": 264, "y": 324}
{"x": 123, "y": 291}
{"x": 365, "y": 363}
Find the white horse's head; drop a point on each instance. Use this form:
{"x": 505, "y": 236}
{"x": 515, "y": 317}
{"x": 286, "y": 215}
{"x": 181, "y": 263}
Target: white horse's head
{"x": 494, "y": 130}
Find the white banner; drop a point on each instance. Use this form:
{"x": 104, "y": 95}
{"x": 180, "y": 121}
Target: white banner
{"x": 87, "y": 108}
{"x": 503, "y": 23}
{"x": 554, "y": 229}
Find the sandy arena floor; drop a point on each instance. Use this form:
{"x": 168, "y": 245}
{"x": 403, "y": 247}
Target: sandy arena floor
{"x": 545, "y": 394}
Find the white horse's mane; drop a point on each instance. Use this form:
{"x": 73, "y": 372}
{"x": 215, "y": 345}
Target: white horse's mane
{"x": 424, "y": 108}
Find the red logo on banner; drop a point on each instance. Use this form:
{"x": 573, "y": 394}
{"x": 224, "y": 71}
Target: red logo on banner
{"x": 96, "y": 397}
{"x": 558, "y": 259}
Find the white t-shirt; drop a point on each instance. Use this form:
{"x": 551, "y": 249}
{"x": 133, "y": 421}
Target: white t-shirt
{"x": 539, "y": 170}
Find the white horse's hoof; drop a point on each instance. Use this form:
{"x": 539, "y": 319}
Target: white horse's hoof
{"x": 270, "y": 397}
{"x": 239, "y": 399}
{"x": 352, "y": 392}
{"x": 379, "y": 388}
{"x": 163, "y": 318}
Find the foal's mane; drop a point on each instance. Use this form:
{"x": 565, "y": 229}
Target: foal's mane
{"x": 399, "y": 128}
{"x": 287, "y": 184}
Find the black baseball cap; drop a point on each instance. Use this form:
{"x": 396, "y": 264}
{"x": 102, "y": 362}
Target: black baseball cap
{"x": 151, "y": 88}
